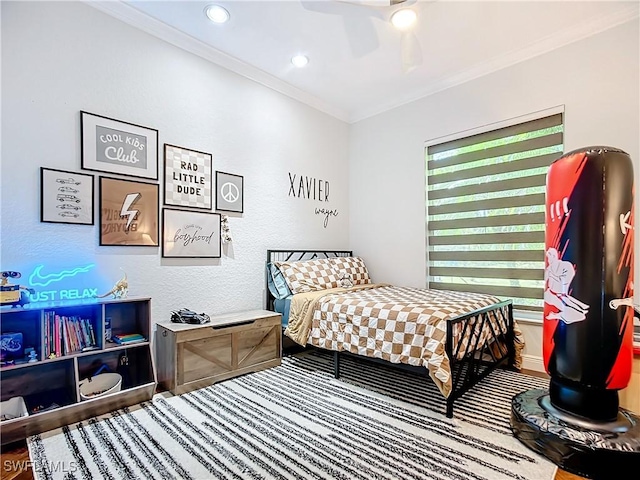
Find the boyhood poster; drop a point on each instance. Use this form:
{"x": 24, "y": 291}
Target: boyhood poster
{"x": 190, "y": 234}
{"x": 115, "y": 146}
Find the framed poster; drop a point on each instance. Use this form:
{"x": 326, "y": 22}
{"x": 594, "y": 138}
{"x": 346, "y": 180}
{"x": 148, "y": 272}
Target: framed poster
{"x": 229, "y": 192}
{"x": 114, "y": 146}
{"x": 128, "y": 212}
{"x": 187, "y": 234}
{"x": 188, "y": 177}
{"x": 66, "y": 197}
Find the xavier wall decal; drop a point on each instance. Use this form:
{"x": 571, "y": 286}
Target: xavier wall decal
{"x": 310, "y": 188}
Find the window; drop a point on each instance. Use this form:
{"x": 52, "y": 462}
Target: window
{"x": 485, "y": 210}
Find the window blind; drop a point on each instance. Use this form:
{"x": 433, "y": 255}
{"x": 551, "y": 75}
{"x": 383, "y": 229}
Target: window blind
{"x": 485, "y": 210}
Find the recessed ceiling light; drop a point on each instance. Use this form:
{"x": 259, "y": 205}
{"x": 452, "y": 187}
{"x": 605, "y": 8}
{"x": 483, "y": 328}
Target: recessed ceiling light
{"x": 299, "y": 61}
{"x": 217, "y": 14}
{"x": 403, "y": 18}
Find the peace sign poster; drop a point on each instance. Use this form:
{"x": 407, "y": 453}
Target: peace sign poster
{"x": 229, "y": 192}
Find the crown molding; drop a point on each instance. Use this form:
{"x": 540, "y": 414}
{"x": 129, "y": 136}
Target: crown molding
{"x": 150, "y": 25}
{"x": 142, "y": 21}
{"x": 540, "y": 47}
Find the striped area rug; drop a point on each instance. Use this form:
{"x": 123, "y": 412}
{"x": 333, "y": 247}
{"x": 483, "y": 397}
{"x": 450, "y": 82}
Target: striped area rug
{"x": 297, "y": 422}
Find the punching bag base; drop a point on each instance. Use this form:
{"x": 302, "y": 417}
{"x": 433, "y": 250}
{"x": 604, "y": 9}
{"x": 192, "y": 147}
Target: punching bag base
{"x": 591, "y": 449}
{"x": 597, "y": 404}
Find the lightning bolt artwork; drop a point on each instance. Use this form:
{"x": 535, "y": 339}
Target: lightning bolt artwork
{"x": 128, "y": 212}
{"x": 126, "y": 209}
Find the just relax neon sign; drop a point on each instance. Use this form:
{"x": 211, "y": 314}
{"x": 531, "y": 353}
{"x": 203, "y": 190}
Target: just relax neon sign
{"x": 47, "y": 285}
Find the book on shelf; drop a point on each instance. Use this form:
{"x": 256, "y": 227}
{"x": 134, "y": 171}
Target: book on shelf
{"x": 128, "y": 338}
{"x": 67, "y": 334}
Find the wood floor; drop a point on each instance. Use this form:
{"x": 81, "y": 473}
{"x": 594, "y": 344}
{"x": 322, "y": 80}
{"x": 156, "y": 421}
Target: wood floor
{"x": 15, "y": 462}
{"x": 16, "y": 466}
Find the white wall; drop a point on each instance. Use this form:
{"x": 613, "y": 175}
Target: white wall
{"x": 597, "y": 80}
{"x": 60, "y": 58}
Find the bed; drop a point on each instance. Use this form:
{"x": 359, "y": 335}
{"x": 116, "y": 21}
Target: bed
{"x": 328, "y": 301}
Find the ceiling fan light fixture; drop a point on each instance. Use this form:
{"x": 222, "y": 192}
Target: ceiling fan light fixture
{"x": 403, "y": 18}
{"x": 299, "y": 61}
{"x": 217, "y": 14}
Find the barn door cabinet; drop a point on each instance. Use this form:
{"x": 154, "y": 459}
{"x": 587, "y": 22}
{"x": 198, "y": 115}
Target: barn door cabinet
{"x": 39, "y": 382}
{"x": 195, "y": 356}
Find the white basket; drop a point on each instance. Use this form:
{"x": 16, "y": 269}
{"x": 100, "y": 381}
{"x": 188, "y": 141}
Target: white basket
{"x": 102, "y": 384}
{"x": 13, "y": 408}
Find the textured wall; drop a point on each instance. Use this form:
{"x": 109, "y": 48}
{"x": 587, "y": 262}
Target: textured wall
{"x": 60, "y": 58}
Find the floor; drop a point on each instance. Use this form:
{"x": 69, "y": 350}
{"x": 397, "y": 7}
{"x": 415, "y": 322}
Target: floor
{"x": 16, "y": 464}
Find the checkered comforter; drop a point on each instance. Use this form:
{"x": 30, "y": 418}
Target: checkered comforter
{"x": 397, "y": 324}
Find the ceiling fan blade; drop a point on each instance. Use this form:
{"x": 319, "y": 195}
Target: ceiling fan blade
{"x": 357, "y": 20}
{"x": 320, "y": 6}
{"x": 339, "y": 7}
{"x": 361, "y": 34}
{"x": 374, "y": 3}
{"x": 410, "y": 50}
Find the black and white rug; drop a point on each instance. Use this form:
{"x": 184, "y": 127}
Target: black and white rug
{"x": 297, "y": 422}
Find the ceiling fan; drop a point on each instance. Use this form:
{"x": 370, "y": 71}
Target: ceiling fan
{"x": 358, "y": 18}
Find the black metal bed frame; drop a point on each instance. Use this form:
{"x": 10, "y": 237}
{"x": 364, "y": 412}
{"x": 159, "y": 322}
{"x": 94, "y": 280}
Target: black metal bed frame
{"x": 467, "y": 367}
{"x": 470, "y": 366}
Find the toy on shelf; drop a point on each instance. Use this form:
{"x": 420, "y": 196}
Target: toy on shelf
{"x": 15, "y": 295}
{"x": 119, "y": 290}
{"x": 11, "y": 347}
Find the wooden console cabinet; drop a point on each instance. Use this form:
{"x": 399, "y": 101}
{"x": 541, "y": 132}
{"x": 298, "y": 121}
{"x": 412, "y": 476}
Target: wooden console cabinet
{"x": 47, "y": 380}
{"x": 195, "y": 356}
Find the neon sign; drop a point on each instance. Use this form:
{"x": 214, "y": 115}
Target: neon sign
{"x": 71, "y": 294}
{"x": 36, "y": 279}
{"x": 66, "y": 280}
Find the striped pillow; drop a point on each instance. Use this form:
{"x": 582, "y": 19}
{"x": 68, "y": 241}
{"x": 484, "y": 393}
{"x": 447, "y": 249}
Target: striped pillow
{"x": 309, "y": 275}
{"x": 353, "y": 266}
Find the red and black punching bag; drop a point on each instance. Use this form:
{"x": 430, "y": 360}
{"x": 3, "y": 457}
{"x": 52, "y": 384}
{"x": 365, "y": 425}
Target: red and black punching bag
{"x": 588, "y": 321}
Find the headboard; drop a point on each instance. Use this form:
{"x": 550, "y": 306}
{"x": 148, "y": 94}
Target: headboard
{"x": 294, "y": 256}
